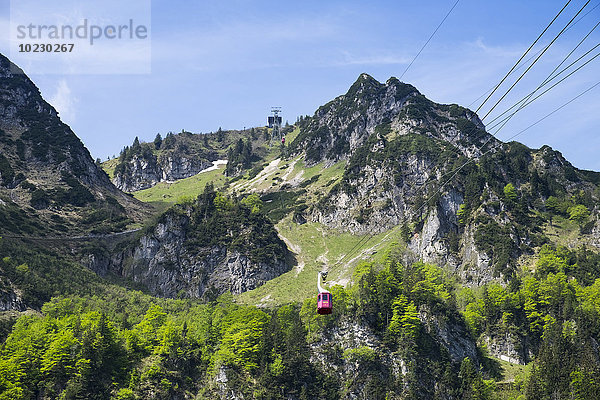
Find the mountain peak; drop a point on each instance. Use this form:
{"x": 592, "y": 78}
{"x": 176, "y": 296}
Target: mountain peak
{"x": 341, "y": 126}
{"x": 365, "y": 83}
{"x": 367, "y": 77}
{"x": 7, "y": 68}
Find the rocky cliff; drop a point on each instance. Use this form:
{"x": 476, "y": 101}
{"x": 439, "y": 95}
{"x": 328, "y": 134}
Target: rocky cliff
{"x": 200, "y": 251}
{"x": 348, "y": 350}
{"x": 143, "y": 165}
{"x": 10, "y": 301}
{"x": 169, "y": 268}
{"x": 44, "y": 167}
{"x": 146, "y": 169}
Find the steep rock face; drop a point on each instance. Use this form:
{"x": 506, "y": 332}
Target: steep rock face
{"x": 43, "y": 164}
{"x": 507, "y": 347}
{"x": 34, "y": 131}
{"x": 178, "y": 156}
{"x": 10, "y": 301}
{"x": 162, "y": 262}
{"x": 346, "y": 349}
{"x": 432, "y": 171}
{"x": 196, "y": 251}
{"x": 452, "y": 335}
{"x": 143, "y": 172}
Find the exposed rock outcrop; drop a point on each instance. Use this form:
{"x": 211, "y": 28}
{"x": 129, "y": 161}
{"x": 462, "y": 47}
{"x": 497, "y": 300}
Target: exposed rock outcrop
{"x": 507, "y": 347}
{"x": 171, "y": 260}
{"x": 348, "y": 347}
{"x": 10, "y": 301}
{"x": 143, "y": 172}
{"x": 162, "y": 262}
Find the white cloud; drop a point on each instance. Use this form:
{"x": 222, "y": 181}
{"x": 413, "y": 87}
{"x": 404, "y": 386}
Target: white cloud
{"x": 64, "y": 102}
{"x": 382, "y": 58}
{"x": 504, "y": 51}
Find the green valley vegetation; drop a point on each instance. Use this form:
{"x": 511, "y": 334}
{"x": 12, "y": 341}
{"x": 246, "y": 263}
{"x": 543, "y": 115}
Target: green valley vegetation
{"x": 554, "y": 314}
{"x": 128, "y": 345}
{"x": 125, "y": 344}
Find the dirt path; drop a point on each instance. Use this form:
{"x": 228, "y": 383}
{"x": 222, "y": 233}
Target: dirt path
{"x": 296, "y": 249}
{"x": 262, "y": 175}
{"x": 290, "y": 169}
{"x": 80, "y": 237}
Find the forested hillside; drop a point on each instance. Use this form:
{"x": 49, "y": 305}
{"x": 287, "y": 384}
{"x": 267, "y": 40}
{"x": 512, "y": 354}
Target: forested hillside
{"x": 399, "y": 331}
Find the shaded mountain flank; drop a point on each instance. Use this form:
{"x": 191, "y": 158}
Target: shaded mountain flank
{"x": 49, "y": 183}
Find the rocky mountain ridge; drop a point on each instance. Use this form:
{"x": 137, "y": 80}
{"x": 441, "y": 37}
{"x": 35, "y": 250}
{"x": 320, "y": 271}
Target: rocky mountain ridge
{"x": 344, "y": 124}
{"x": 142, "y": 166}
{"x": 432, "y": 171}
{"x": 179, "y": 156}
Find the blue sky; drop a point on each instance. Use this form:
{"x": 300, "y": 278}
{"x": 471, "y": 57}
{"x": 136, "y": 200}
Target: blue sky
{"x": 225, "y": 63}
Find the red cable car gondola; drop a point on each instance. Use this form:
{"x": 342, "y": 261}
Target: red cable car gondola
{"x": 324, "y": 298}
{"x": 324, "y": 303}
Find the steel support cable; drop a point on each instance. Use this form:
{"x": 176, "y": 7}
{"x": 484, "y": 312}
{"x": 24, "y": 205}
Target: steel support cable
{"x": 523, "y": 56}
{"x": 505, "y": 120}
{"x": 512, "y": 137}
{"x": 493, "y": 134}
{"x": 534, "y": 55}
{"x": 550, "y": 76}
{"x": 549, "y": 79}
{"x": 428, "y": 40}
{"x": 555, "y": 111}
{"x": 364, "y": 240}
{"x": 535, "y": 61}
{"x": 357, "y": 245}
